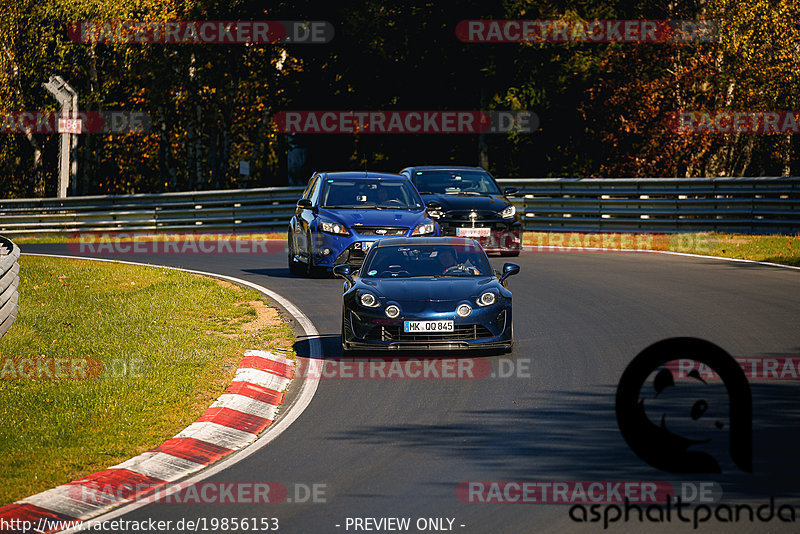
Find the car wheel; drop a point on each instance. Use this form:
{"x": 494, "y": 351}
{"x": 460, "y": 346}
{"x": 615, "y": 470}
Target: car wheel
{"x": 295, "y": 267}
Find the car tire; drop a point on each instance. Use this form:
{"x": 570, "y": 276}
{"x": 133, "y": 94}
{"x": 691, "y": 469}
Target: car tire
{"x": 295, "y": 267}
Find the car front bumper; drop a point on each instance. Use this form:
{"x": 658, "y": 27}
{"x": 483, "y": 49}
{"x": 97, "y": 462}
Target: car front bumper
{"x": 330, "y": 250}
{"x": 504, "y": 235}
{"x": 485, "y": 328}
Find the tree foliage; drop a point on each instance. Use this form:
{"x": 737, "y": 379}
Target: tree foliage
{"x": 603, "y": 107}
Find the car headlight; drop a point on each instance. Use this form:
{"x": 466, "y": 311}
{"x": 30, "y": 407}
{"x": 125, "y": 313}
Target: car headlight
{"x": 368, "y": 299}
{"x": 424, "y": 229}
{"x": 487, "y": 299}
{"x": 392, "y": 311}
{"x": 508, "y": 212}
{"x": 464, "y": 310}
{"x": 333, "y": 228}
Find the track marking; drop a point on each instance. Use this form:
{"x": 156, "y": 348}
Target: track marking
{"x": 306, "y": 393}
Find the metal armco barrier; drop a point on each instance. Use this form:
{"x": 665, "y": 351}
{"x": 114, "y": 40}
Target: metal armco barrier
{"x": 201, "y": 211}
{"x": 743, "y": 205}
{"x": 746, "y": 205}
{"x": 9, "y": 281}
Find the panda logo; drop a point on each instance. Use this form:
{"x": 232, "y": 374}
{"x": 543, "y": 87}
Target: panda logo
{"x": 678, "y": 427}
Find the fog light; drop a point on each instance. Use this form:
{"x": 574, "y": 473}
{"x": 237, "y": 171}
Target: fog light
{"x": 464, "y": 310}
{"x": 392, "y": 311}
{"x": 326, "y": 251}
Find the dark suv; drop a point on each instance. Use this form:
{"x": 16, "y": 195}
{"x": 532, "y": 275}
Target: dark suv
{"x": 468, "y": 202}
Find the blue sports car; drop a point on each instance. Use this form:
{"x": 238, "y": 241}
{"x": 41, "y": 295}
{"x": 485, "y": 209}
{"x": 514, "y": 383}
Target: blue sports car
{"x": 341, "y": 214}
{"x": 431, "y": 293}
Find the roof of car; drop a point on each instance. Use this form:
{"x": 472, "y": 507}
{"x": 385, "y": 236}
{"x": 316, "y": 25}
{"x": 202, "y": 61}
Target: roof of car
{"x": 394, "y": 241}
{"x": 445, "y": 168}
{"x": 362, "y": 175}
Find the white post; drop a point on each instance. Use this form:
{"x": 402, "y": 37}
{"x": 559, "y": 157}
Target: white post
{"x": 68, "y": 98}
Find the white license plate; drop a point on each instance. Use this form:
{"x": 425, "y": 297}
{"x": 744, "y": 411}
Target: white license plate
{"x": 473, "y": 232}
{"x": 364, "y": 245}
{"x": 428, "y": 326}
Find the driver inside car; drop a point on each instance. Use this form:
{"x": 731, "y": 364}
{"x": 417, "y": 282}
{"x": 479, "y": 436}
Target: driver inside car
{"x": 451, "y": 266}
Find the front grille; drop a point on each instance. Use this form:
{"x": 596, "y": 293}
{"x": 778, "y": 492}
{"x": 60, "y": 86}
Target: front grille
{"x": 351, "y": 256}
{"x": 461, "y": 215}
{"x": 380, "y": 230}
{"x": 460, "y": 332}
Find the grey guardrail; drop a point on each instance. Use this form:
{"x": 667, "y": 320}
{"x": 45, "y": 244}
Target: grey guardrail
{"x": 748, "y": 205}
{"x": 199, "y": 211}
{"x": 9, "y": 282}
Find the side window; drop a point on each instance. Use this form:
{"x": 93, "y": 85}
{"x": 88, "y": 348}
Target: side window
{"x": 307, "y": 193}
{"x": 315, "y": 189}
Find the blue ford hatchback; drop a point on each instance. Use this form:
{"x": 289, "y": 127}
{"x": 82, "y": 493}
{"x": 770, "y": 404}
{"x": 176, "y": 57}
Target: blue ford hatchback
{"x": 341, "y": 214}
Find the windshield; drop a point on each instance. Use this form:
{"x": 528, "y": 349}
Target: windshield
{"x": 406, "y": 261}
{"x": 455, "y": 182}
{"x": 366, "y": 194}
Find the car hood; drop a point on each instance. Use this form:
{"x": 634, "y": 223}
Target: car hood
{"x": 461, "y": 202}
{"x": 374, "y": 217}
{"x": 444, "y": 289}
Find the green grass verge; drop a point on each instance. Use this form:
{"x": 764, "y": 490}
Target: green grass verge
{"x": 169, "y": 341}
{"x": 75, "y": 237}
{"x": 773, "y": 248}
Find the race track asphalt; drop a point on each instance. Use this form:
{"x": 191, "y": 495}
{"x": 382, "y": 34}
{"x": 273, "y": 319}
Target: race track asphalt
{"x": 400, "y": 447}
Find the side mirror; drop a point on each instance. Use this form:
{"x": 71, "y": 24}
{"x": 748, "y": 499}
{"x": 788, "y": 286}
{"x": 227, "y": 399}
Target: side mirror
{"x": 343, "y": 271}
{"x": 304, "y": 203}
{"x": 510, "y": 191}
{"x": 509, "y": 269}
